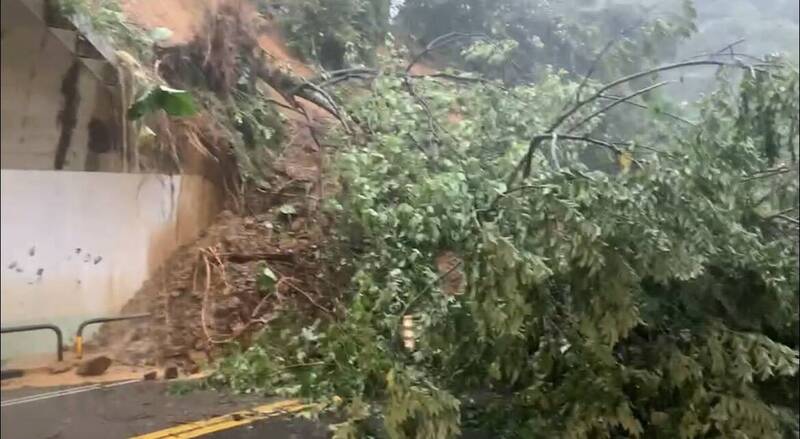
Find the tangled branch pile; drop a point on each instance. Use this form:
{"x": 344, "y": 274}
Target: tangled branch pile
{"x": 657, "y": 301}
{"x": 650, "y": 290}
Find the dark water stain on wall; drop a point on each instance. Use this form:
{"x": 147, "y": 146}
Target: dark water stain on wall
{"x": 68, "y": 116}
{"x": 99, "y": 136}
{"x": 92, "y": 162}
{"x": 100, "y": 142}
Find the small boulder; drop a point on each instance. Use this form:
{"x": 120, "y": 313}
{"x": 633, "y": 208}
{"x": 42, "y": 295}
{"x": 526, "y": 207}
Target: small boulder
{"x": 93, "y": 366}
{"x": 170, "y": 372}
{"x": 150, "y": 376}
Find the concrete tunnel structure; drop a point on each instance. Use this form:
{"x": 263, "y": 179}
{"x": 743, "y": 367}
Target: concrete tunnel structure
{"x": 82, "y": 227}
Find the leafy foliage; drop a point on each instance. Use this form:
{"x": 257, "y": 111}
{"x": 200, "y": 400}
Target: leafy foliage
{"x": 174, "y": 102}
{"x": 654, "y": 297}
{"x": 107, "y": 18}
{"x": 562, "y": 34}
{"x": 259, "y": 132}
{"x": 336, "y": 33}
{"x": 657, "y": 302}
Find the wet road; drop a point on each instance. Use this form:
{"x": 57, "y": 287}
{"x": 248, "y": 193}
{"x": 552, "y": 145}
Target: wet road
{"x": 147, "y": 410}
{"x": 135, "y": 409}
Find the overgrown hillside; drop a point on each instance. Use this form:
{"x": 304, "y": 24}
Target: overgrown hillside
{"x": 533, "y": 239}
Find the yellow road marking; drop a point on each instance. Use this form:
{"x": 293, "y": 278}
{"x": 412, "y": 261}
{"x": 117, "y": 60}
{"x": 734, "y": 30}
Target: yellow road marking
{"x": 207, "y": 426}
{"x": 226, "y": 425}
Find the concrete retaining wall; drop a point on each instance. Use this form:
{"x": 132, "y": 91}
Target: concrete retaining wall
{"x": 78, "y": 245}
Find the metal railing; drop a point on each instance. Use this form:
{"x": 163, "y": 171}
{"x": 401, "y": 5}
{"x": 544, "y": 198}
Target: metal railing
{"x": 79, "y": 334}
{"x": 46, "y": 326}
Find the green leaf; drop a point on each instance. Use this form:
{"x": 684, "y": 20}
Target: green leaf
{"x": 160, "y": 34}
{"x": 173, "y": 101}
{"x": 146, "y": 104}
{"x": 176, "y": 102}
{"x": 288, "y": 209}
{"x": 266, "y": 280}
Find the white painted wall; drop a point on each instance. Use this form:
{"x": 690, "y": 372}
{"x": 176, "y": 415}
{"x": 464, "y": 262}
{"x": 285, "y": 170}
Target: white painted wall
{"x": 125, "y": 226}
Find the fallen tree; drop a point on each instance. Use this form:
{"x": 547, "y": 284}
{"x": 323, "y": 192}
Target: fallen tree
{"x": 656, "y": 300}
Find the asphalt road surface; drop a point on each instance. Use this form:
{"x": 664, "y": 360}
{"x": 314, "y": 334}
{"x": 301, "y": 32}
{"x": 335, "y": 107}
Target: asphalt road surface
{"x": 147, "y": 410}
{"x": 134, "y": 409}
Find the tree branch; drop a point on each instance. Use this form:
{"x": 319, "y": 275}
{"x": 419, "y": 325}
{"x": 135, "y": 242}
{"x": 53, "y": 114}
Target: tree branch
{"x": 428, "y": 287}
{"x": 731, "y": 46}
{"x": 794, "y": 221}
{"x": 634, "y": 77}
{"x": 645, "y": 107}
{"x": 425, "y": 107}
{"x": 331, "y": 106}
{"x": 527, "y": 159}
{"x": 780, "y": 213}
{"x": 615, "y": 103}
{"x": 593, "y": 66}
{"x": 603, "y": 52}
{"x": 337, "y": 76}
{"x": 442, "y": 41}
{"x": 608, "y": 145}
{"x": 733, "y": 55}
{"x": 282, "y": 105}
{"x": 538, "y": 139}
{"x": 290, "y": 87}
{"x": 457, "y": 78}
{"x": 766, "y": 173}
{"x": 306, "y": 295}
{"x": 239, "y": 258}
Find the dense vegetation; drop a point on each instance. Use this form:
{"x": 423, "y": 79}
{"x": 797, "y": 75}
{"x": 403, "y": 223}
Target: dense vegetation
{"x": 648, "y": 290}
{"x": 629, "y": 263}
{"x": 336, "y": 32}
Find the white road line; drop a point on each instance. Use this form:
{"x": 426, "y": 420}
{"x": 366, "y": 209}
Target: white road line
{"x": 55, "y": 392}
{"x": 65, "y": 392}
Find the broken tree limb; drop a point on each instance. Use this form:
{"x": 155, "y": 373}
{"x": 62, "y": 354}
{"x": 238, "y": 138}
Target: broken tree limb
{"x": 314, "y": 97}
{"x": 525, "y": 164}
{"x": 452, "y": 77}
{"x": 249, "y": 257}
{"x": 787, "y": 218}
{"x": 526, "y": 161}
{"x": 337, "y": 76}
{"x": 767, "y": 173}
{"x": 292, "y": 285}
{"x": 615, "y": 103}
{"x": 645, "y": 107}
{"x": 632, "y": 77}
{"x": 726, "y": 51}
{"x": 291, "y": 88}
{"x": 604, "y": 51}
{"x": 442, "y": 41}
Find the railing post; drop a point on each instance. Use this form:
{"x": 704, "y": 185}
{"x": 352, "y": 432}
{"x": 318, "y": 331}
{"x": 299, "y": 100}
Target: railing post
{"x": 79, "y": 334}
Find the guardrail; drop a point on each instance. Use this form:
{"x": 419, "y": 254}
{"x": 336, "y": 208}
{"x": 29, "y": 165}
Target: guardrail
{"x": 79, "y": 334}
{"x": 46, "y": 326}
